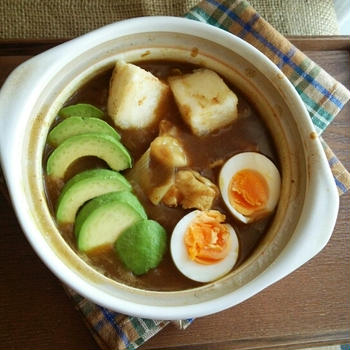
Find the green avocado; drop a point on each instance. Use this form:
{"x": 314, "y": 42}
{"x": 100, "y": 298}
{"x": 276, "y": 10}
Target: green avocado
{"x": 101, "y": 220}
{"x": 80, "y": 110}
{"x": 85, "y": 186}
{"x": 141, "y": 246}
{"x": 79, "y": 125}
{"x": 93, "y": 144}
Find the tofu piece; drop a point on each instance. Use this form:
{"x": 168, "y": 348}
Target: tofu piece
{"x": 205, "y": 102}
{"x": 135, "y": 97}
{"x": 191, "y": 190}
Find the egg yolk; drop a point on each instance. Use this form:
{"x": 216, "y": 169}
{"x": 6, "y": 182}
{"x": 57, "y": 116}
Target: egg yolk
{"x": 248, "y": 192}
{"x": 207, "y": 239}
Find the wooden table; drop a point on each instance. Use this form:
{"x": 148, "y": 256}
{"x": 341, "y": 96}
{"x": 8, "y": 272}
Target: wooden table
{"x": 309, "y": 307}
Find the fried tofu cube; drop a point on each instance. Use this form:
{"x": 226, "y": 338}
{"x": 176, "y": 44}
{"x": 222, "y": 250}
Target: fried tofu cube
{"x": 135, "y": 97}
{"x": 205, "y": 102}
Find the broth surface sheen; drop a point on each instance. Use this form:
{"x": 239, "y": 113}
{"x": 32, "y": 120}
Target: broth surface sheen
{"x": 247, "y": 133}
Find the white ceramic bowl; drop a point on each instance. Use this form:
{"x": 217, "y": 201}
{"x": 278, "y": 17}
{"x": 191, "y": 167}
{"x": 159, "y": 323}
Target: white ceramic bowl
{"x": 36, "y": 90}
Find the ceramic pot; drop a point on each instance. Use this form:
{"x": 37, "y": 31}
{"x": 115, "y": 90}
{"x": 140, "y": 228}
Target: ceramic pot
{"x": 37, "y": 89}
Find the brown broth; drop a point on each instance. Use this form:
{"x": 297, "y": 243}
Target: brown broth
{"x": 248, "y": 133}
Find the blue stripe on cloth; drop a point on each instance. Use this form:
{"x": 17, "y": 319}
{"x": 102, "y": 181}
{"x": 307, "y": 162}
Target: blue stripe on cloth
{"x": 109, "y": 316}
{"x": 333, "y": 161}
{"x": 99, "y": 325}
{"x": 340, "y": 185}
{"x": 290, "y": 54}
{"x": 249, "y": 24}
{"x": 278, "y": 53}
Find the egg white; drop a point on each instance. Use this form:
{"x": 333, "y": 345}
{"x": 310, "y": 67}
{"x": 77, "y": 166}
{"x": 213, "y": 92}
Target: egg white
{"x": 193, "y": 270}
{"x": 254, "y": 161}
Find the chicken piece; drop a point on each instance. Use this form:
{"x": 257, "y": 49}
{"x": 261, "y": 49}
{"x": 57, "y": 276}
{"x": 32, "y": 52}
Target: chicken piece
{"x": 135, "y": 96}
{"x": 168, "y": 151}
{"x": 191, "y": 190}
{"x": 172, "y": 197}
{"x": 205, "y": 102}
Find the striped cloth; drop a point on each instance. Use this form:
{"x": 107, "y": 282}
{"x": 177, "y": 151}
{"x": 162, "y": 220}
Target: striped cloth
{"x": 323, "y": 96}
{"x": 112, "y": 330}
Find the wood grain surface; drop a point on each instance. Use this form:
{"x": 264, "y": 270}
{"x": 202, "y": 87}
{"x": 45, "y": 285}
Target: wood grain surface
{"x": 309, "y": 307}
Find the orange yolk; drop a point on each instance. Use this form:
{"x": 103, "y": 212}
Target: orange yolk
{"x": 207, "y": 239}
{"x": 248, "y": 192}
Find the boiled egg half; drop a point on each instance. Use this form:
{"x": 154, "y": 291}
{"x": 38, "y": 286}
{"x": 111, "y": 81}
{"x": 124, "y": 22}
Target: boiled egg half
{"x": 250, "y": 186}
{"x": 203, "y": 247}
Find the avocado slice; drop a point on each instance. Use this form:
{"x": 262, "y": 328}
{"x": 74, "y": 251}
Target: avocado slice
{"x": 79, "y": 125}
{"x": 93, "y": 144}
{"x": 141, "y": 246}
{"x": 101, "y": 220}
{"x": 85, "y": 186}
{"x": 80, "y": 110}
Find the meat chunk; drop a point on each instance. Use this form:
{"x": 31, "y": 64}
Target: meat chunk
{"x": 191, "y": 190}
{"x": 168, "y": 151}
{"x": 172, "y": 197}
{"x": 205, "y": 102}
{"x": 135, "y": 97}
